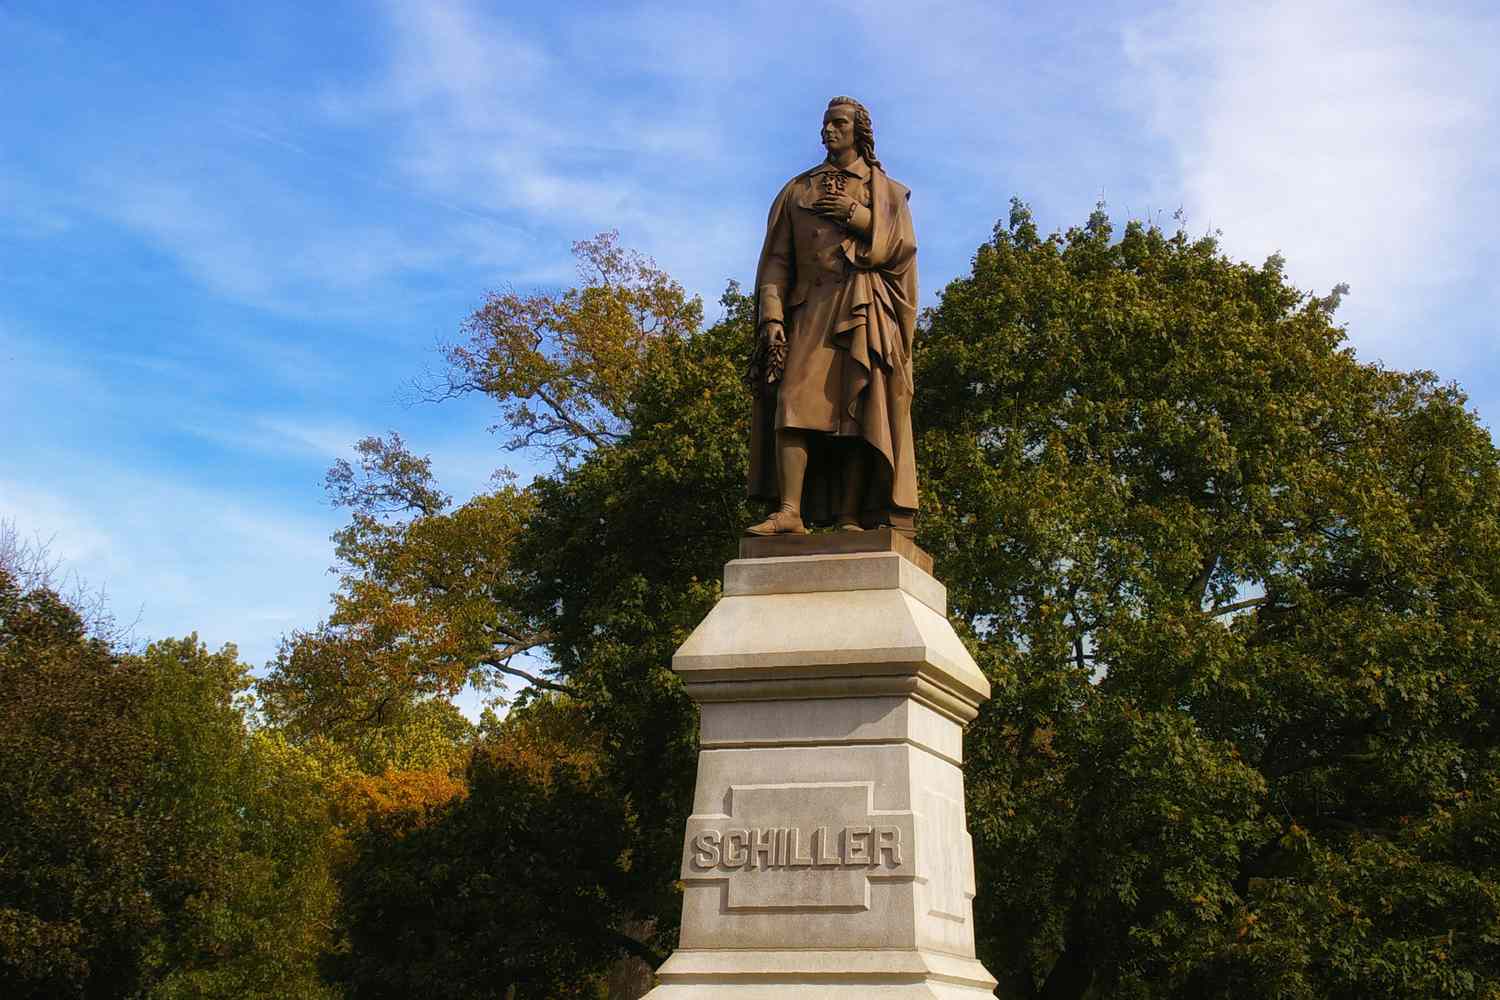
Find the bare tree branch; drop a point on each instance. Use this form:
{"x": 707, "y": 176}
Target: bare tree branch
{"x": 500, "y": 661}
{"x": 519, "y": 645}
{"x": 596, "y": 438}
{"x": 1205, "y": 575}
{"x": 1252, "y": 602}
{"x": 32, "y": 566}
{"x": 534, "y": 680}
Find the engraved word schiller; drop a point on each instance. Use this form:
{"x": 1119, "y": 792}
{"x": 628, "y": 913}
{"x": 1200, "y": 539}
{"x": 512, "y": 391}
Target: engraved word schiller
{"x": 800, "y": 846}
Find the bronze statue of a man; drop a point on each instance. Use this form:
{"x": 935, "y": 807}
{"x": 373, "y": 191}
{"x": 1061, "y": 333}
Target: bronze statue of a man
{"x": 836, "y": 310}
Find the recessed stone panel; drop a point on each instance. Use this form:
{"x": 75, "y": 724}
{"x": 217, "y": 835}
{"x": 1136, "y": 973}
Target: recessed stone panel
{"x": 799, "y": 846}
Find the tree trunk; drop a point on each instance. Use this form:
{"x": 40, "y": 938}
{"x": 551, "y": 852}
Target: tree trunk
{"x": 630, "y": 977}
{"x": 1072, "y": 975}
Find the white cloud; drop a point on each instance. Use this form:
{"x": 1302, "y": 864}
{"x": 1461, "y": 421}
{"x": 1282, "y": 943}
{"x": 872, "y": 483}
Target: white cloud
{"x": 1358, "y": 139}
{"x": 54, "y": 523}
{"x": 452, "y": 51}
{"x": 538, "y": 135}
{"x": 252, "y": 237}
{"x": 464, "y": 459}
{"x": 188, "y": 558}
{"x": 481, "y": 112}
{"x": 328, "y": 438}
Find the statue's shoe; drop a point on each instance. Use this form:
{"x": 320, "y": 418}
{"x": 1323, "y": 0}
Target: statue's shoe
{"x": 780, "y": 523}
{"x": 848, "y": 524}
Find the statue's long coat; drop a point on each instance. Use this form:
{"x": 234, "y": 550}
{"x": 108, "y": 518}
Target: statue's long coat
{"x": 849, "y": 307}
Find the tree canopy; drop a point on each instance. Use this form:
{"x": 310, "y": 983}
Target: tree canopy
{"x": 1235, "y": 591}
{"x": 606, "y": 566}
{"x": 150, "y": 845}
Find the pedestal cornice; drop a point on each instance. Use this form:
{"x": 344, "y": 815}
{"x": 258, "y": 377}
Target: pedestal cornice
{"x": 831, "y": 625}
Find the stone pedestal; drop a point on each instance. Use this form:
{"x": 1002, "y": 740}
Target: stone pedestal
{"x": 828, "y": 853}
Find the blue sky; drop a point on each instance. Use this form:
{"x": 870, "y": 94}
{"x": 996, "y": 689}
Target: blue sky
{"x": 230, "y": 234}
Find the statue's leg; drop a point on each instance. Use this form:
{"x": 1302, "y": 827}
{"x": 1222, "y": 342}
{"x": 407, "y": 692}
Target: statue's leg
{"x": 856, "y": 475}
{"x": 791, "y": 470}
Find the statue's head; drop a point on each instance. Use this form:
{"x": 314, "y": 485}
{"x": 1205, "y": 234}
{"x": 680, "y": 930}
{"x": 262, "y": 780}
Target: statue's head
{"x": 847, "y": 123}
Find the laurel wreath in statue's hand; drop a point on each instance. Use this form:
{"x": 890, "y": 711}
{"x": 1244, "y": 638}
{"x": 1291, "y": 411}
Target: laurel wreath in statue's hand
{"x": 768, "y": 360}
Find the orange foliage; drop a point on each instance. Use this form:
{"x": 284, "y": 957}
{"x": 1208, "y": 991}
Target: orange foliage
{"x": 548, "y": 736}
{"x": 359, "y": 798}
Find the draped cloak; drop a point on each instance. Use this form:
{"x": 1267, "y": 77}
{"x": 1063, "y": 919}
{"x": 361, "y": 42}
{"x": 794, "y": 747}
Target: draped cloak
{"x": 849, "y": 308}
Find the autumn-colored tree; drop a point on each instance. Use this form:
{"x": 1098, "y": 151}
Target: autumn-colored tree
{"x": 445, "y": 902}
{"x": 616, "y": 381}
{"x": 565, "y": 368}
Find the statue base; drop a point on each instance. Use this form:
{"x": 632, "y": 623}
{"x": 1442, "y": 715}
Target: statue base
{"x": 828, "y": 849}
{"x": 826, "y": 975}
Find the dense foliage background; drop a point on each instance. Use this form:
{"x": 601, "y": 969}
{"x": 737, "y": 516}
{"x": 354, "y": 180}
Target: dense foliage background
{"x": 1236, "y": 592}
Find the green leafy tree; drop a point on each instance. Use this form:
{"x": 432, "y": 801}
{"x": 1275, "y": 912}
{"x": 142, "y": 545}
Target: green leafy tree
{"x": 151, "y": 845}
{"x": 247, "y": 841}
{"x": 1237, "y": 592}
{"x": 627, "y": 551}
{"x": 76, "y": 916}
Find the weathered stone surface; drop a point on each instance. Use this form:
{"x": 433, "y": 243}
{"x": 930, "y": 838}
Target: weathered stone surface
{"x": 819, "y": 721}
{"x": 837, "y": 543}
{"x": 874, "y": 626}
{"x": 828, "y": 849}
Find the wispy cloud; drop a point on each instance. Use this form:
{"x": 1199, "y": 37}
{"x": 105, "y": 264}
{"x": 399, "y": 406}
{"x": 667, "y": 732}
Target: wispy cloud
{"x": 248, "y": 235}
{"x": 1358, "y": 139}
{"x": 251, "y": 190}
{"x": 481, "y": 115}
{"x": 285, "y": 437}
{"x": 540, "y": 134}
{"x": 326, "y": 438}
{"x": 189, "y": 558}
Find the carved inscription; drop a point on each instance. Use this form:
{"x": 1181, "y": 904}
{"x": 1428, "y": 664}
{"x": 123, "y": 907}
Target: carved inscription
{"x": 799, "y": 846}
{"x": 791, "y": 846}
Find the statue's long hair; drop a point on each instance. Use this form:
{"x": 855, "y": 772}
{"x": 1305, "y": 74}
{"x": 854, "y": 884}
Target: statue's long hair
{"x": 864, "y": 132}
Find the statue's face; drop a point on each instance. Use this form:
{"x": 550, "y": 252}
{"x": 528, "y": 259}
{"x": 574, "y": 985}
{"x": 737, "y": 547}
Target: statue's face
{"x": 838, "y": 128}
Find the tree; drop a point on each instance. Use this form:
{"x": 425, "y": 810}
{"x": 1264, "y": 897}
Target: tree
{"x": 245, "y": 845}
{"x": 32, "y": 569}
{"x": 75, "y": 916}
{"x": 433, "y": 596}
{"x": 152, "y": 846}
{"x": 565, "y": 367}
{"x": 430, "y": 598}
{"x": 1234, "y": 589}
{"x": 510, "y": 890}
{"x": 1237, "y": 593}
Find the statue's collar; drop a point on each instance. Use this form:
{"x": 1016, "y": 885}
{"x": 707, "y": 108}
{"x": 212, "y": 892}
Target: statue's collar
{"x": 859, "y": 168}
